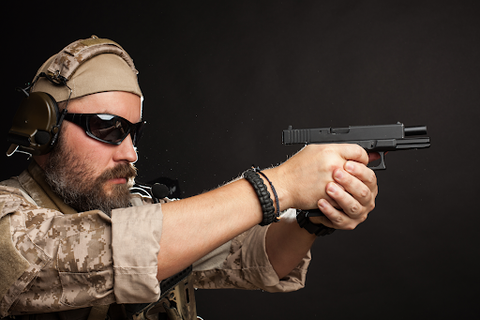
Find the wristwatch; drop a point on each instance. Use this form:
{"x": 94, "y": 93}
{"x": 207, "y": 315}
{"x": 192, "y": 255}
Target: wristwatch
{"x": 317, "y": 229}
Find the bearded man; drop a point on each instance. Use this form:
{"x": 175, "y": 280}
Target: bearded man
{"x": 77, "y": 244}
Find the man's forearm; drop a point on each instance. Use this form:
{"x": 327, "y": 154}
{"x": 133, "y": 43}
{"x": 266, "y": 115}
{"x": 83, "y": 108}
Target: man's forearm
{"x": 287, "y": 244}
{"x": 195, "y": 226}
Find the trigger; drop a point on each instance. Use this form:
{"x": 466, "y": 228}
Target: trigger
{"x": 381, "y": 165}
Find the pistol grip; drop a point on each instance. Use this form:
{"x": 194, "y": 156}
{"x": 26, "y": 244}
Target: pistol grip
{"x": 381, "y": 165}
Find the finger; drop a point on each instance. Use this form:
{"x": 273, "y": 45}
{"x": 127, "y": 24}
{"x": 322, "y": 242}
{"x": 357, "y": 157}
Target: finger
{"x": 364, "y": 174}
{"x": 354, "y": 152}
{"x": 350, "y": 206}
{"x": 329, "y": 211}
{"x": 333, "y": 218}
{"x": 353, "y": 187}
{"x": 358, "y": 198}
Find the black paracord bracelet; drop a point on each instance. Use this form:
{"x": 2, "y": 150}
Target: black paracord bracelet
{"x": 266, "y": 202}
{"x": 277, "y": 202}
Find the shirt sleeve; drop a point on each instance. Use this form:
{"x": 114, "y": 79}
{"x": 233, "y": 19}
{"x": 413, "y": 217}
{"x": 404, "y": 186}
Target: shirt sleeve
{"x": 61, "y": 262}
{"x": 245, "y": 265}
{"x": 136, "y": 244}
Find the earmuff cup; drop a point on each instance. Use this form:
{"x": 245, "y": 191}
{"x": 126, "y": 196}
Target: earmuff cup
{"x": 36, "y": 124}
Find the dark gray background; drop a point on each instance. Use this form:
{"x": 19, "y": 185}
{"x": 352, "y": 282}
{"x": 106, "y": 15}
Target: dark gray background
{"x": 221, "y": 81}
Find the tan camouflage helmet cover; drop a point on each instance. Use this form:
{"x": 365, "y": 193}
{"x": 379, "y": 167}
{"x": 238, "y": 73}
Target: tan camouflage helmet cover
{"x": 88, "y": 66}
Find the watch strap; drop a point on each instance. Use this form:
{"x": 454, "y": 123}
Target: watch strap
{"x": 317, "y": 229}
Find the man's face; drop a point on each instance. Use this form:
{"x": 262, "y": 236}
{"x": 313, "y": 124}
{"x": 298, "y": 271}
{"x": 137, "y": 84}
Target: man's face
{"x": 90, "y": 174}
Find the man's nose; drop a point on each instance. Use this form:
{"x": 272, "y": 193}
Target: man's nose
{"x": 126, "y": 151}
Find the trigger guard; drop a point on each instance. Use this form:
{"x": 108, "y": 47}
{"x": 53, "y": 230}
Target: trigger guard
{"x": 381, "y": 165}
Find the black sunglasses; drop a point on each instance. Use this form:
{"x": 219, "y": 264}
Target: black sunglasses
{"x": 107, "y": 128}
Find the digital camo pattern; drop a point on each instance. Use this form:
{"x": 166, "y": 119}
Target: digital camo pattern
{"x": 227, "y": 276}
{"x": 70, "y": 259}
{"x": 247, "y": 267}
{"x": 69, "y": 255}
{"x": 76, "y": 53}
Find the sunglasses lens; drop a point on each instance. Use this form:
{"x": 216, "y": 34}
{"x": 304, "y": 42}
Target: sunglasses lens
{"x": 138, "y": 132}
{"x": 109, "y": 128}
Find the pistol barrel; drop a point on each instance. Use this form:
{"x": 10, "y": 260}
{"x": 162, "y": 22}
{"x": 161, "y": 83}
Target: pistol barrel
{"x": 415, "y": 131}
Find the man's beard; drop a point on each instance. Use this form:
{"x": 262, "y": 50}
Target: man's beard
{"x": 72, "y": 181}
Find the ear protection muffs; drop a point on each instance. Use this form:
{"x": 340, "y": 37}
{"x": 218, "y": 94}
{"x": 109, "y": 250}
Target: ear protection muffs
{"x": 36, "y": 125}
{"x": 37, "y": 122}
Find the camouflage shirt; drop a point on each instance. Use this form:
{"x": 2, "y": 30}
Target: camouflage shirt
{"x": 56, "y": 259}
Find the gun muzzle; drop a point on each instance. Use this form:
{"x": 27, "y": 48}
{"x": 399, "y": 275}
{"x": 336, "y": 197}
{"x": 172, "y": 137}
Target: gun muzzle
{"x": 415, "y": 131}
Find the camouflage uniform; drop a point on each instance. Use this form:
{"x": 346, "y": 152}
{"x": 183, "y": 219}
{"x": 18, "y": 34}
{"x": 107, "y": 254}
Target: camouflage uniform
{"x": 55, "y": 259}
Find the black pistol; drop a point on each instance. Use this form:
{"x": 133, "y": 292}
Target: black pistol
{"x": 373, "y": 138}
